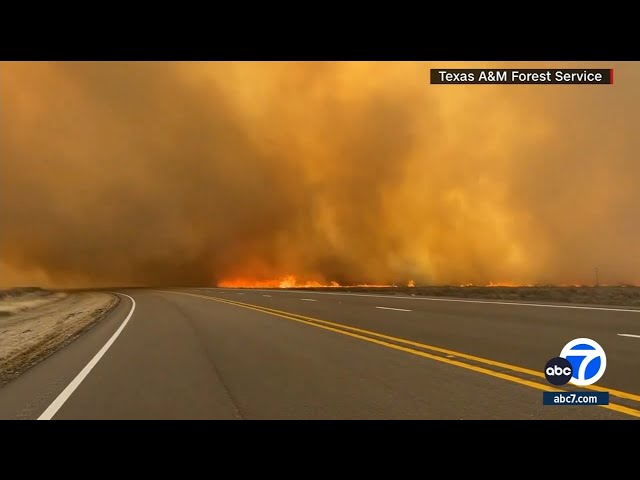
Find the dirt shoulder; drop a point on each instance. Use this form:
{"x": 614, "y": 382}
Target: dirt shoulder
{"x": 33, "y": 325}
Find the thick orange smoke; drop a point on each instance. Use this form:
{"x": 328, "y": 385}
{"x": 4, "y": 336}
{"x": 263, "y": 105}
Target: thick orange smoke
{"x": 354, "y": 173}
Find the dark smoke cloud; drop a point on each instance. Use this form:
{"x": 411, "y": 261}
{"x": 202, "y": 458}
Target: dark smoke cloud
{"x": 191, "y": 173}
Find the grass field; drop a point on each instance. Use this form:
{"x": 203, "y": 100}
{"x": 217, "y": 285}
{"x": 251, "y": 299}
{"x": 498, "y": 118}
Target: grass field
{"x": 621, "y": 295}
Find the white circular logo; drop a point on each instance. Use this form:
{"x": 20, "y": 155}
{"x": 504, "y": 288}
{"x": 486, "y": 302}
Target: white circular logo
{"x": 588, "y": 360}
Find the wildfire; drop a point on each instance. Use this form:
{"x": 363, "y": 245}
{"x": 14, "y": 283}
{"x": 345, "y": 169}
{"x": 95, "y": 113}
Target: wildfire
{"x": 520, "y": 285}
{"x": 497, "y": 284}
{"x": 289, "y": 281}
{"x": 505, "y": 284}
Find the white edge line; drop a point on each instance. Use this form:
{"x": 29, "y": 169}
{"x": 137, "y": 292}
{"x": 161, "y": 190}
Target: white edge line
{"x": 308, "y": 300}
{"x": 436, "y": 299}
{"x": 628, "y": 335}
{"x": 75, "y": 383}
{"x": 398, "y": 309}
{"x": 267, "y": 296}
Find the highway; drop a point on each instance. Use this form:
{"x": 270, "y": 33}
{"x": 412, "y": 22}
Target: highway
{"x": 208, "y": 353}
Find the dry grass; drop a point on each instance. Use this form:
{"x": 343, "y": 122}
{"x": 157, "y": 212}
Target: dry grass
{"x": 619, "y": 296}
{"x": 36, "y": 323}
{"x": 17, "y": 300}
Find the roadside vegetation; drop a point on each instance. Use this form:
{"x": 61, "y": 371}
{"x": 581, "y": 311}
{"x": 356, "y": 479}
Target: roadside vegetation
{"x": 615, "y": 295}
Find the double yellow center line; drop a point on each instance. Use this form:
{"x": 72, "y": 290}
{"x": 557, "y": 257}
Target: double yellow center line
{"x": 432, "y": 352}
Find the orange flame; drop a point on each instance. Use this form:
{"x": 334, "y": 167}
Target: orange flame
{"x": 288, "y": 281}
{"x": 506, "y": 284}
{"x": 497, "y": 284}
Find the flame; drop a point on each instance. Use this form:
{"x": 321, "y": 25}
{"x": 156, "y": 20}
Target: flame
{"x": 498, "y": 284}
{"x": 505, "y": 284}
{"x": 411, "y": 284}
{"x": 289, "y": 281}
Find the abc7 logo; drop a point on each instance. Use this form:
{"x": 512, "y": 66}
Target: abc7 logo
{"x": 581, "y": 362}
{"x": 558, "y": 371}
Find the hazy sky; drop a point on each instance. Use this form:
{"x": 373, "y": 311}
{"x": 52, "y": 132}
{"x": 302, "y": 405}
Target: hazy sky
{"x": 192, "y": 173}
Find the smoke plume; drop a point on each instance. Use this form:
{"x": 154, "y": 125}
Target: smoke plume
{"x": 198, "y": 173}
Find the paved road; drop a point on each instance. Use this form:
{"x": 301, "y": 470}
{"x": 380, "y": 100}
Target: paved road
{"x": 264, "y": 354}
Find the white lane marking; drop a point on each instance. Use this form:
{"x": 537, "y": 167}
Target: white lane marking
{"x": 628, "y": 335}
{"x": 308, "y": 300}
{"x": 437, "y": 299}
{"x": 269, "y": 296}
{"x": 398, "y": 309}
{"x": 75, "y": 383}
{"x": 239, "y": 293}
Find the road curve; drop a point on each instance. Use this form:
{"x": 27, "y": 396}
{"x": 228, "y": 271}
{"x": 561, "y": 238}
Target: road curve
{"x": 273, "y": 354}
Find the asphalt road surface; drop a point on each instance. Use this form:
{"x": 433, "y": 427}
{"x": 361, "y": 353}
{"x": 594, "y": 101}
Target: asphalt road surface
{"x": 273, "y": 354}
